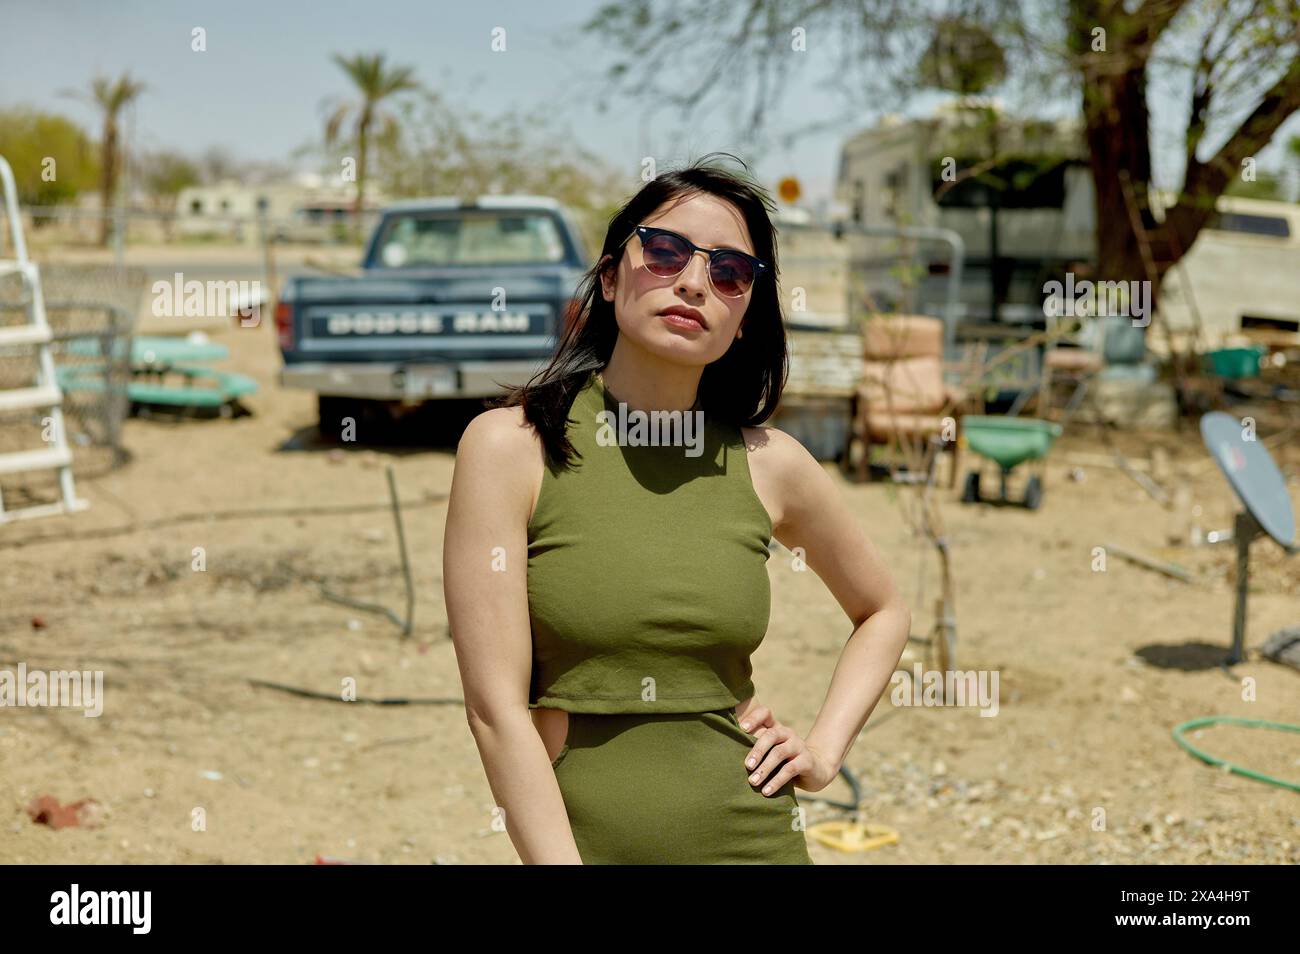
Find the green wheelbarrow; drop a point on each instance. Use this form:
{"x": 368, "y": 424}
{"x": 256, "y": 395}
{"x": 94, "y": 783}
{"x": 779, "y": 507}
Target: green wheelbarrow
{"x": 1008, "y": 442}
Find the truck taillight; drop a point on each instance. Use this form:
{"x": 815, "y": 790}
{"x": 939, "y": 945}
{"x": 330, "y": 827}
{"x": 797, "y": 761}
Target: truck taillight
{"x": 284, "y": 324}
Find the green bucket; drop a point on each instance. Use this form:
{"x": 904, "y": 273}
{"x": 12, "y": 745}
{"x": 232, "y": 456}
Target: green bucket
{"x": 1235, "y": 362}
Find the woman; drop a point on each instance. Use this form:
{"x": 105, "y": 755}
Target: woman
{"x": 616, "y": 585}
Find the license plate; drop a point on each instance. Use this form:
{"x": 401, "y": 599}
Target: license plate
{"x": 430, "y": 381}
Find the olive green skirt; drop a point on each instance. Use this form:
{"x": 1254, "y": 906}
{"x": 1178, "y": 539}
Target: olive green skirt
{"x": 672, "y": 788}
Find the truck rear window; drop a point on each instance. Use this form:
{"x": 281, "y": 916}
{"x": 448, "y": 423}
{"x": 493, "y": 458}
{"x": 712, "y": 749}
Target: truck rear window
{"x": 1271, "y": 225}
{"x": 469, "y": 238}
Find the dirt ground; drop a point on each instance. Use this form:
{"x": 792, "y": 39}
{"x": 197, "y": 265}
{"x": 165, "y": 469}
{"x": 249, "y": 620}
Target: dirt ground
{"x": 1078, "y": 765}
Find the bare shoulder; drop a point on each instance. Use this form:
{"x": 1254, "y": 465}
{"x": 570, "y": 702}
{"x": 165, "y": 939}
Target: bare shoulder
{"x": 779, "y": 455}
{"x": 500, "y": 452}
{"x": 497, "y": 432}
{"x": 786, "y": 476}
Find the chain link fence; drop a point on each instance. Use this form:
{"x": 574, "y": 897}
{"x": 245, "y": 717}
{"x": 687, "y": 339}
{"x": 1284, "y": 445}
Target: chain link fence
{"x": 91, "y": 310}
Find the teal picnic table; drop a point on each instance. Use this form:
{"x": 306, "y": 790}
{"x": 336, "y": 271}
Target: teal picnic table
{"x": 154, "y": 351}
{"x": 153, "y": 357}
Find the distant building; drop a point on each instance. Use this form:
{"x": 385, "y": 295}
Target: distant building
{"x": 298, "y": 211}
{"x": 889, "y": 174}
{"x": 1240, "y": 280}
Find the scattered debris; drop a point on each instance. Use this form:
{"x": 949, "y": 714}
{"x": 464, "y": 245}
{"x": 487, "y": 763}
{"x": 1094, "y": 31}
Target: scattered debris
{"x": 853, "y": 836}
{"x": 1150, "y": 563}
{"x": 338, "y": 697}
{"x": 46, "y": 810}
{"x": 1080, "y": 459}
{"x": 1154, "y": 490}
{"x": 1283, "y": 647}
{"x": 403, "y": 624}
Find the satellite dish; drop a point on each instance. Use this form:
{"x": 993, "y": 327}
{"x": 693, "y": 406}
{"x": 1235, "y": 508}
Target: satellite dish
{"x": 1257, "y": 481}
{"x": 1253, "y": 475}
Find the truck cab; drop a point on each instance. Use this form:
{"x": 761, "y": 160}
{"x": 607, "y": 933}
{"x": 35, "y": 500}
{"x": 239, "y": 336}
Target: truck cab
{"x": 458, "y": 298}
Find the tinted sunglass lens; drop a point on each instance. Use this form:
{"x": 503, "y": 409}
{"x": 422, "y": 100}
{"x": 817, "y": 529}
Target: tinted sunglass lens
{"x": 732, "y": 275}
{"x": 664, "y": 255}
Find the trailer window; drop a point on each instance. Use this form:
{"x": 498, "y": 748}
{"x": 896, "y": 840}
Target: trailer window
{"x": 1020, "y": 183}
{"x": 1271, "y": 225}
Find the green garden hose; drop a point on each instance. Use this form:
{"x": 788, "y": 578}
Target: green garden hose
{"x": 1233, "y": 720}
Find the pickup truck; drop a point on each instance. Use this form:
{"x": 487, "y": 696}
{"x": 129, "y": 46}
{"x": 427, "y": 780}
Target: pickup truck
{"x": 457, "y": 298}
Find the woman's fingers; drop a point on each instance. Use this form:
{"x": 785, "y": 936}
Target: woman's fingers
{"x": 774, "y": 746}
{"x": 792, "y": 768}
{"x": 758, "y": 716}
{"x": 764, "y": 740}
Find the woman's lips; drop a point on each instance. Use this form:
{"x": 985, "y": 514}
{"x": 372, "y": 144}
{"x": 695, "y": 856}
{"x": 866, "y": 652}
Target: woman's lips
{"x": 681, "y": 321}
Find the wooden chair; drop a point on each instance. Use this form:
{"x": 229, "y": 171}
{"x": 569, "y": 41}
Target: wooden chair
{"x": 902, "y": 397}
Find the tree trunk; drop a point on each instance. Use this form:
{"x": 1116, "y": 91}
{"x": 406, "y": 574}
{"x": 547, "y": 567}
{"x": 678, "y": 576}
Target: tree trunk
{"x": 1118, "y": 135}
{"x": 107, "y": 179}
{"x": 363, "y": 136}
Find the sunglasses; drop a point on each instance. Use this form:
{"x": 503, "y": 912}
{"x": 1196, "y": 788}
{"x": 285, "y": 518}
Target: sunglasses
{"x": 666, "y": 255}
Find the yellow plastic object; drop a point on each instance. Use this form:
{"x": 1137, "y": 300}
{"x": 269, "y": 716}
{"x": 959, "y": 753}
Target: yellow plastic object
{"x": 853, "y": 836}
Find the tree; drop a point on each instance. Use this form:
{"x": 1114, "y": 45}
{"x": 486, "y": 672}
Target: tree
{"x": 52, "y": 158}
{"x": 435, "y": 149}
{"x": 110, "y": 97}
{"x": 376, "y": 83}
{"x": 217, "y": 164}
{"x": 1293, "y": 158}
{"x": 165, "y": 174}
{"x": 1266, "y": 185}
{"x": 1239, "y": 61}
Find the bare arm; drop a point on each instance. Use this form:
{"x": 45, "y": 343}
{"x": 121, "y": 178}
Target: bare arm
{"x": 485, "y": 560}
{"x": 813, "y": 516}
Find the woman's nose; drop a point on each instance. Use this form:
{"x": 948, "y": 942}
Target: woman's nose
{"x": 695, "y": 277}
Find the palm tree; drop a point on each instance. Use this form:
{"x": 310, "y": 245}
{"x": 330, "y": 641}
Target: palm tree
{"x": 376, "y": 83}
{"x": 110, "y": 96}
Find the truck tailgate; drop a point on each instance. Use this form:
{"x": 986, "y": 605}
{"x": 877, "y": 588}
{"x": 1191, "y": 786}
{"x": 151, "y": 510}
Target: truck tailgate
{"x": 431, "y": 315}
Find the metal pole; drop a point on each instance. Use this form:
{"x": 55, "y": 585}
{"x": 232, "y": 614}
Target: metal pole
{"x": 266, "y": 307}
{"x": 11, "y": 210}
{"x": 1245, "y": 529}
{"x": 118, "y": 237}
{"x": 406, "y": 561}
{"x": 952, "y": 304}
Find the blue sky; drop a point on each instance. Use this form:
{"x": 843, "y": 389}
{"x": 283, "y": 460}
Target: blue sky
{"x": 259, "y": 86}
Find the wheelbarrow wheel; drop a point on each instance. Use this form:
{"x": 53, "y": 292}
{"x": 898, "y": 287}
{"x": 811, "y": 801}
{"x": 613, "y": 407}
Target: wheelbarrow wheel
{"x": 970, "y": 492}
{"x": 1033, "y": 493}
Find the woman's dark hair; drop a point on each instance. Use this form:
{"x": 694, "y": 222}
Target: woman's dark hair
{"x": 742, "y": 387}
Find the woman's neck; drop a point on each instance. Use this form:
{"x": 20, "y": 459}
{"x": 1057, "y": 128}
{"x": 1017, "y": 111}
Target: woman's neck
{"x": 665, "y": 387}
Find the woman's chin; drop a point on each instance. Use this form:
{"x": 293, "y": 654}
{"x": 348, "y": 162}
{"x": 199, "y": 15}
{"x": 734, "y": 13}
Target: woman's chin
{"x": 680, "y": 347}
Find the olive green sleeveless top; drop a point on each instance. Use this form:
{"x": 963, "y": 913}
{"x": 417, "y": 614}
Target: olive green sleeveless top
{"x": 647, "y": 567}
